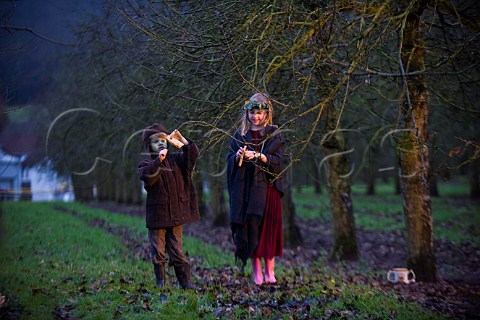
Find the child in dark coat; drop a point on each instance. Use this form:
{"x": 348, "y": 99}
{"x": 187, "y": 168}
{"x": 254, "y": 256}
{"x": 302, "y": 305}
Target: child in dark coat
{"x": 171, "y": 201}
{"x": 254, "y": 166}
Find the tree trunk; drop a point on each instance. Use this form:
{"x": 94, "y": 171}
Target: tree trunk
{"x": 372, "y": 170}
{"x": 433, "y": 177}
{"x": 133, "y": 191}
{"x": 199, "y": 192}
{"x": 413, "y": 156}
{"x": 475, "y": 179}
{"x": 433, "y": 185}
{"x": 396, "y": 181}
{"x": 105, "y": 181}
{"x": 137, "y": 192}
{"x": 102, "y": 190}
{"x": 339, "y": 192}
{"x": 291, "y": 232}
{"x": 82, "y": 187}
{"x": 118, "y": 189}
{"x": 317, "y": 176}
{"x": 123, "y": 196}
{"x": 110, "y": 188}
{"x": 217, "y": 201}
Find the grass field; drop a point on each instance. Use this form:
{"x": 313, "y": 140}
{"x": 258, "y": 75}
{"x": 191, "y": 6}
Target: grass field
{"x": 456, "y": 217}
{"x": 56, "y": 262}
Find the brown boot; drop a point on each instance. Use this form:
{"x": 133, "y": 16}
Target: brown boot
{"x": 183, "y": 275}
{"x": 159, "y": 271}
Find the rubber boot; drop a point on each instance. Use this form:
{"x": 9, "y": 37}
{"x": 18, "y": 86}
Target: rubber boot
{"x": 183, "y": 275}
{"x": 270, "y": 270}
{"x": 159, "y": 271}
{"x": 257, "y": 270}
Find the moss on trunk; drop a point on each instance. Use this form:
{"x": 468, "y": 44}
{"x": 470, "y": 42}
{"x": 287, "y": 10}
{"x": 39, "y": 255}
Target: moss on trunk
{"x": 413, "y": 155}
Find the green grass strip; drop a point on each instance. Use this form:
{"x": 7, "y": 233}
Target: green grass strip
{"x": 455, "y": 216}
{"x": 52, "y": 261}
{"x": 55, "y": 262}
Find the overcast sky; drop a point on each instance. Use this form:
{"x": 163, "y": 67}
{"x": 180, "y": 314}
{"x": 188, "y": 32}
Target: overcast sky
{"x": 27, "y": 60}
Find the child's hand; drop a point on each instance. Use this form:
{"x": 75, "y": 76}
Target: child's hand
{"x": 239, "y": 153}
{"x": 162, "y": 154}
{"x": 249, "y": 155}
{"x": 177, "y": 136}
{"x": 254, "y": 155}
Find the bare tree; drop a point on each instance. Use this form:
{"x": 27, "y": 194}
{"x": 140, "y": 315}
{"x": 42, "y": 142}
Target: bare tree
{"x": 413, "y": 151}
{"x": 318, "y": 61}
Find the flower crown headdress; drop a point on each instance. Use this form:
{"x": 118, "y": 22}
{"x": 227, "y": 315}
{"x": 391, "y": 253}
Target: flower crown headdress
{"x": 249, "y": 105}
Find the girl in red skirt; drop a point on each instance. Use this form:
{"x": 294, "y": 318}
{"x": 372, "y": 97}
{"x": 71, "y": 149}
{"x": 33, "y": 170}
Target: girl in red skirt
{"x": 254, "y": 168}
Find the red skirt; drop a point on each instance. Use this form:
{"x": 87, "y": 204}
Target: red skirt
{"x": 271, "y": 231}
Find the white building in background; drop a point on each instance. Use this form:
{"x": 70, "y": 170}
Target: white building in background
{"x": 18, "y": 182}
{"x": 23, "y": 172}
{"x": 10, "y": 176}
{"x": 47, "y": 186}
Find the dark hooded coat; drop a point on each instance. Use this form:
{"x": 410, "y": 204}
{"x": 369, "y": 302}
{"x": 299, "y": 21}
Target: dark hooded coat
{"x": 171, "y": 199}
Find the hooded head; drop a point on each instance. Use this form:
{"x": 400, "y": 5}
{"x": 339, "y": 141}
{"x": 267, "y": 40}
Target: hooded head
{"x": 149, "y": 131}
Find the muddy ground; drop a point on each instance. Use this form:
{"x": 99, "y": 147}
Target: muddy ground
{"x": 456, "y": 295}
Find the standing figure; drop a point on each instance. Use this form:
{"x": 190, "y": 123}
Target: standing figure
{"x": 171, "y": 201}
{"x": 254, "y": 162}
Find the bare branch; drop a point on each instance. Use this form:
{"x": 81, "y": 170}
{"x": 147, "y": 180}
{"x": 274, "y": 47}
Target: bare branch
{"x": 37, "y": 34}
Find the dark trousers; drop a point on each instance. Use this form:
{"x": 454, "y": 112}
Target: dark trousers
{"x": 168, "y": 240}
